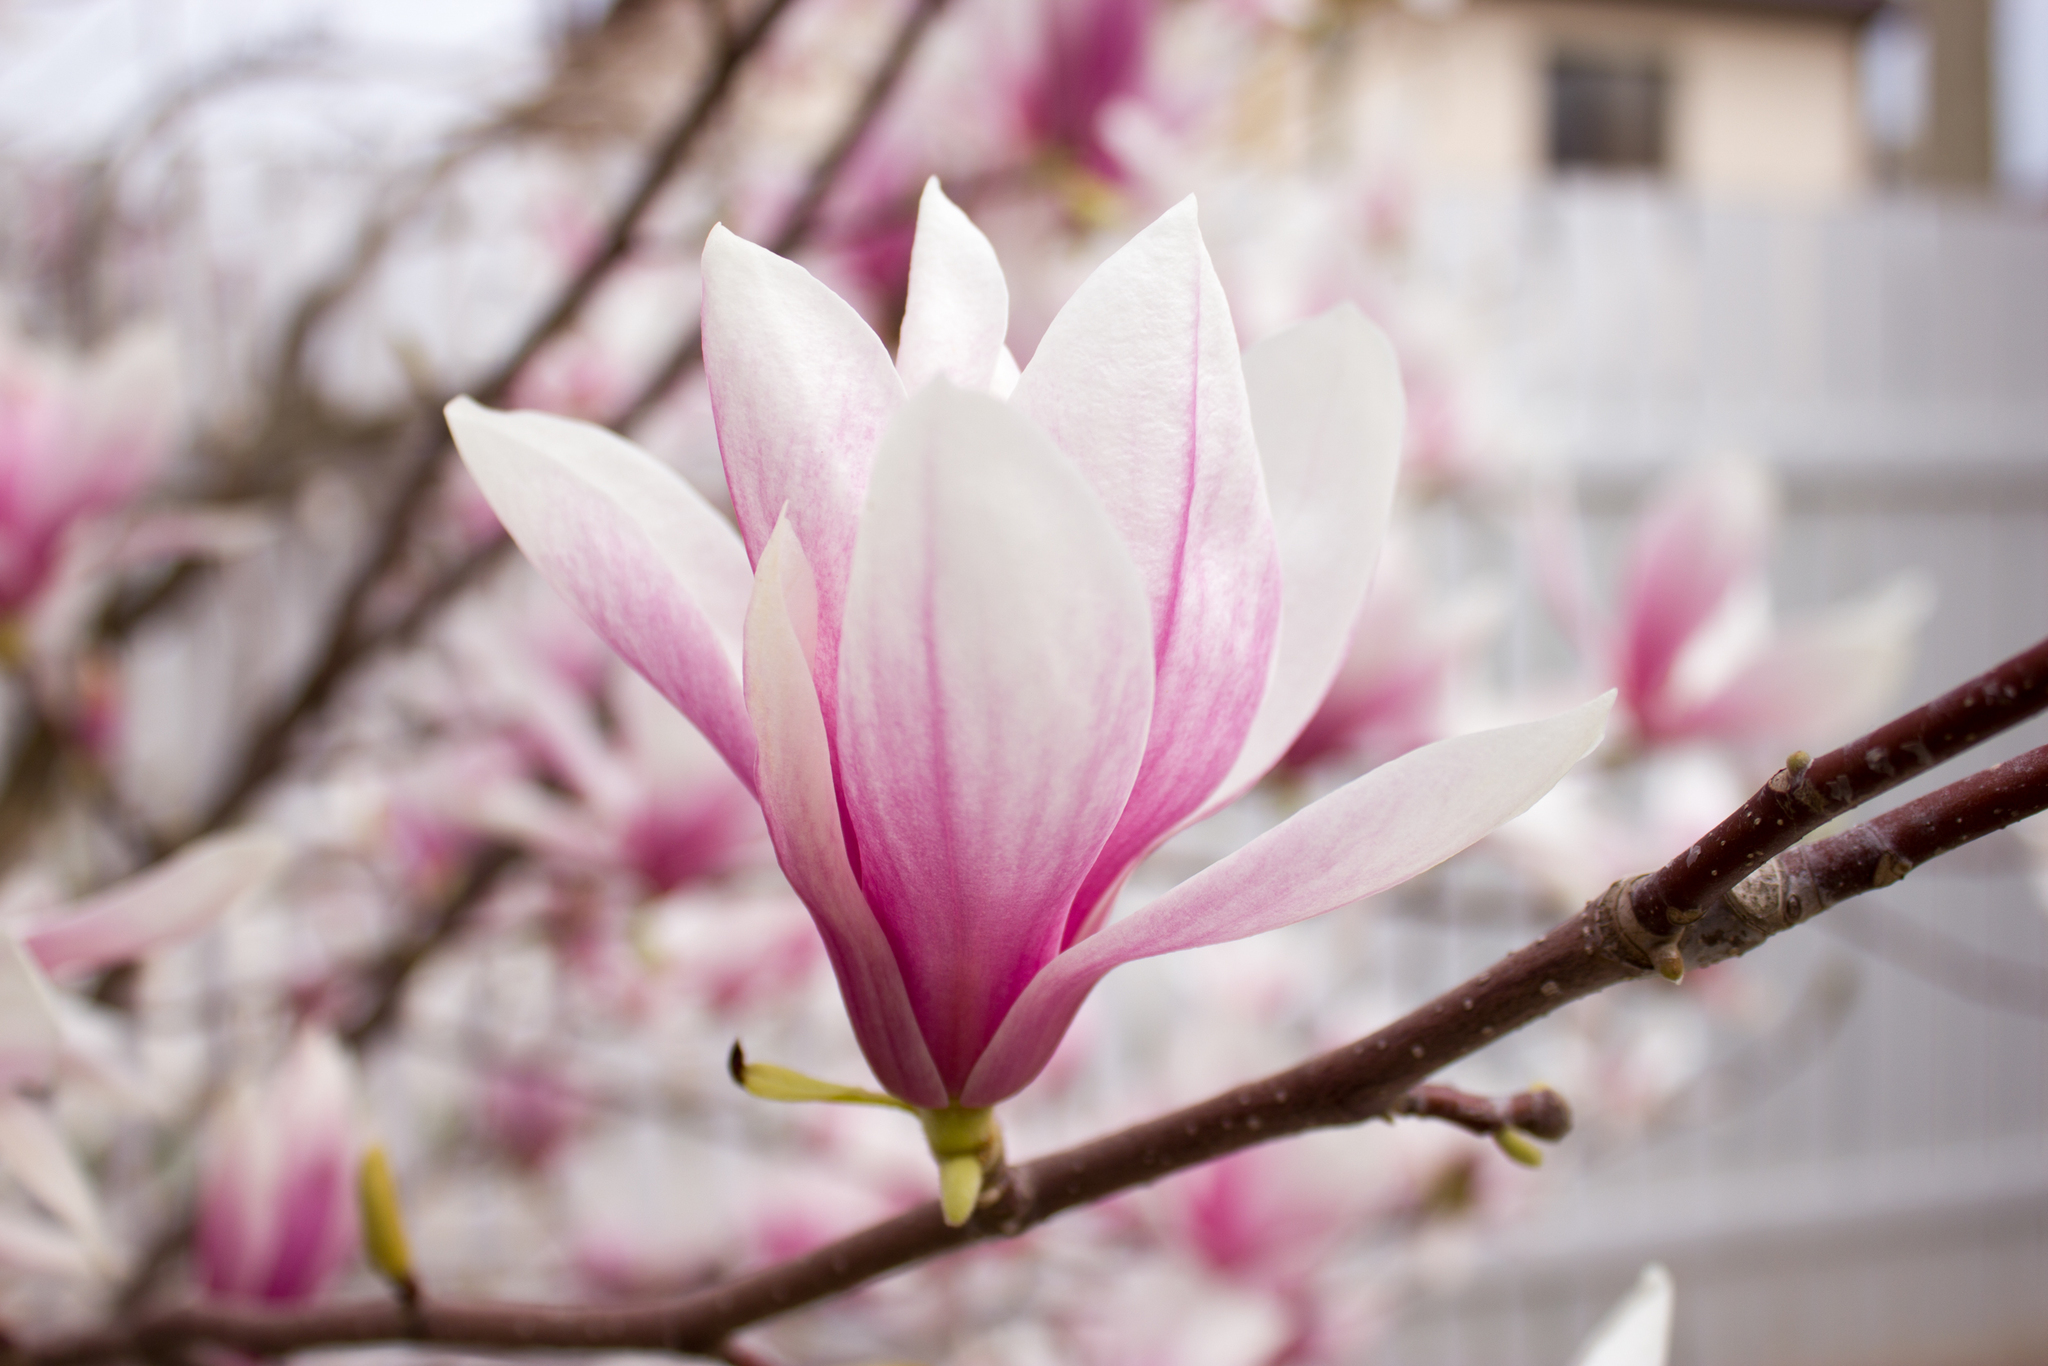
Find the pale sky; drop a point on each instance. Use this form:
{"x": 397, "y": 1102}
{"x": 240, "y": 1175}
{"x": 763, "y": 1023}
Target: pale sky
{"x": 74, "y": 73}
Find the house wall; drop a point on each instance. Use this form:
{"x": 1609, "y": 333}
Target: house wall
{"x": 1761, "y": 107}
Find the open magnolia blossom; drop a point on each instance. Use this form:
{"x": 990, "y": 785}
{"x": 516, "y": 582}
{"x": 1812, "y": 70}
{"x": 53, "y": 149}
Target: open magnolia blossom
{"x": 983, "y": 639}
{"x": 124, "y": 923}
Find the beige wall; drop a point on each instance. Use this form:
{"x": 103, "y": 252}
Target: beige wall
{"x": 1761, "y": 108}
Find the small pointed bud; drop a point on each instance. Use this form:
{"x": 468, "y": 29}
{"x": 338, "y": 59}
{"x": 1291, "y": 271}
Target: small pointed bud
{"x": 1669, "y": 962}
{"x": 1517, "y": 1146}
{"x": 383, "y": 1225}
{"x": 770, "y": 1082}
{"x": 959, "y": 1189}
{"x": 968, "y": 1144}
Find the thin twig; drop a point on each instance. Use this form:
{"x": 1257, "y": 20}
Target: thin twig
{"x": 345, "y": 642}
{"x": 688, "y": 351}
{"x": 1541, "y": 1112}
{"x": 804, "y": 214}
{"x": 389, "y": 975}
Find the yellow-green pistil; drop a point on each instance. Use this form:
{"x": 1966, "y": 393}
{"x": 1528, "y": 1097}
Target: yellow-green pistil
{"x": 966, "y": 1141}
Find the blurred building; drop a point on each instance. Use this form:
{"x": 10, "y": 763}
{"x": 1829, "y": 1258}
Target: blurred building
{"x": 1799, "y": 228}
{"x": 1745, "y": 99}
{"x": 1718, "y": 97}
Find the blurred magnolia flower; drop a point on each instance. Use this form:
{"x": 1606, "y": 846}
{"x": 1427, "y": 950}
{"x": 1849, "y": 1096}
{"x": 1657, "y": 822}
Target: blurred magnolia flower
{"x": 1081, "y": 59}
{"x": 1637, "y": 1331}
{"x": 652, "y": 796}
{"x": 1693, "y": 651}
{"x": 277, "y": 1205}
{"x": 77, "y": 437}
{"x": 1388, "y": 696}
{"x": 1004, "y": 634}
{"x": 74, "y": 1241}
{"x": 157, "y": 908}
{"x": 530, "y": 1111}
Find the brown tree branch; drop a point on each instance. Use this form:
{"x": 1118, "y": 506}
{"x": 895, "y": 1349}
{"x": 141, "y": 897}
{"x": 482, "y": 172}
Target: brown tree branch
{"x": 803, "y": 215}
{"x": 387, "y": 977}
{"x": 1540, "y": 1112}
{"x": 1804, "y": 797}
{"x": 1597, "y": 948}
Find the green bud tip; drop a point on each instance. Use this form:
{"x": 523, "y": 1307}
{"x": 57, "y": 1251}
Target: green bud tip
{"x": 959, "y": 1189}
{"x": 1517, "y": 1146}
{"x": 384, "y": 1240}
{"x": 1669, "y": 962}
{"x": 968, "y": 1145}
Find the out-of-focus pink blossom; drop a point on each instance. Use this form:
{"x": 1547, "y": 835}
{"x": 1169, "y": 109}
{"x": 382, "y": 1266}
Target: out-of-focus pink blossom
{"x": 277, "y": 1207}
{"x": 74, "y": 1242}
{"x": 77, "y": 437}
{"x": 1692, "y": 649}
{"x": 158, "y": 907}
{"x": 1388, "y": 697}
{"x": 1087, "y": 55}
{"x": 650, "y": 795}
{"x": 530, "y": 1111}
{"x": 1003, "y": 636}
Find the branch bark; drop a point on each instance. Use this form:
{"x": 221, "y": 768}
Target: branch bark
{"x": 1595, "y": 949}
{"x": 1804, "y": 797}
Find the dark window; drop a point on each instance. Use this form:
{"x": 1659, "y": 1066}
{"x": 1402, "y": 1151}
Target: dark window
{"x": 1606, "y": 113}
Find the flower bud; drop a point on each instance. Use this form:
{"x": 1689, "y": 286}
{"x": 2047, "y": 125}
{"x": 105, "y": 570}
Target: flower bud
{"x": 277, "y": 1213}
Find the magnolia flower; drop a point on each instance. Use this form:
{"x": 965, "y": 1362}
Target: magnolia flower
{"x": 1388, "y": 696}
{"x": 74, "y": 1242}
{"x": 1088, "y": 55}
{"x": 1692, "y": 649}
{"x": 1004, "y": 633}
{"x": 75, "y": 438}
{"x": 157, "y": 908}
{"x": 122, "y": 924}
{"x": 647, "y": 794}
{"x": 277, "y": 1199}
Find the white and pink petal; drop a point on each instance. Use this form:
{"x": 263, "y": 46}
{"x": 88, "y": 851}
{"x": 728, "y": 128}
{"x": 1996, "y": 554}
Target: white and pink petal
{"x": 802, "y": 809}
{"x": 1139, "y": 381}
{"x": 1327, "y": 405}
{"x": 1379, "y": 830}
{"x": 161, "y": 906}
{"x": 801, "y": 390}
{"x": 995, "y": 690}
{"x": 958, "y": 309}
{"x": 639, "y": 554}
